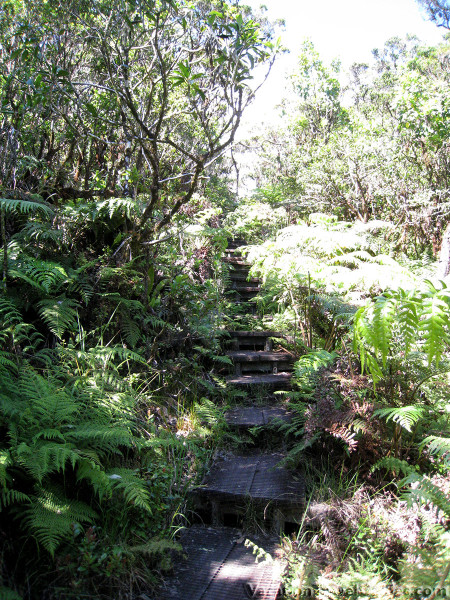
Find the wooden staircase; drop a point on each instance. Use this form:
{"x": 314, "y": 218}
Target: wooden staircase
{"x": 219, "y": 567}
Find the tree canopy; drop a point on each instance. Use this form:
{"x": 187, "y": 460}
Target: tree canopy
{"x": 124, "y": 98}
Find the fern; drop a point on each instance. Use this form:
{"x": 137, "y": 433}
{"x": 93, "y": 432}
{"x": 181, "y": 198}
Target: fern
{"x": 307, "y": 367}
{"x": 423, "y": 490}
{"x": 130, "y": 330}
{"x": 42, "y": 234}
{"x": 414, "y": 322}
{"x": 48, "y": 405}
{"x": 9, "y": 594}
{"x": 394, "y": 465}
{"x": 7, "y": 363}
{"x": 60, "y": 315}
{"x": 26, "y": 207}
{"x": 114, "y": 206}
{"x": 405, "y": 416}
{"x": 50, "y": 516}
{"x": 45, "y": 457}
{"x": 407, "y": 318}
{"x": 384, "y": 312}
{"x": 132, "y": 487}
{"x": 9, "y": 313}
{"x": 437, "y": 446}
{"x": 434, "y": 325}
{"x": 45, "y": 276}
{"x": 5, "y": 462}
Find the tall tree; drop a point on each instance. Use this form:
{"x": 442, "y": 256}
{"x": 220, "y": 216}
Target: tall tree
{"x": 438, "y": 11}
{"x": 124, "y": 98}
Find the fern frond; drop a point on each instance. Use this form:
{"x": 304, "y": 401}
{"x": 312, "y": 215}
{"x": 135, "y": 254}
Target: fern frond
{"x": 60, "y": 314}
{"x": 103, "y": 438}
{"x": 9, "y": 313}
{"x": 407, "y": 319}
{"x": 405, "y": 416}
{"x": 8, "y": 363}
{"x": 106, "y": 353}
{"x": 41, "y": 233}
{"x": 51, "y": 515}
{"x": 134, "y": 489}
{"x": 434, "y": 326}
{"x": 26, "y": 207}
{"x": 44, "y": 275}
{"x": 113, "y": 206}
{"x": 130, "y": 330}
{"x": 383, "y": 316}
{"x": 89, "y": 469}
{"x": 51, "y": 406}
{"x": 423, "y": 490}
{"x": 437, "y": 446}
{"x": 394, "y": 465}
{"x": 45, "y": 457}
{"x": 5, "y": 462}
{"x": 9, "y": 594}
{"x": 206, "y": 411}
{"x": 9, "y": 497}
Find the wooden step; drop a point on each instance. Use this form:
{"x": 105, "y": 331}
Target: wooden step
{"x": 236, "y": 260}
{"x": 242, "y": 276}
{"x": 239, "y": 267}
{"x": 250, "y": 361}
{"x": 257, "y": 476}
{"x": 246, "y": 289}
{"x": 252, "y": 340}
{"x": 248, "y": 334}
{"x": 218, "y": 565}
{"x": 249, "y": 356}
{"x": 236, "y": 243}
{"x": 244, "y": 293}
{"x": 281, "y": 380}
{"x": 234, "y": 482}
{"x": 244, "y": 417}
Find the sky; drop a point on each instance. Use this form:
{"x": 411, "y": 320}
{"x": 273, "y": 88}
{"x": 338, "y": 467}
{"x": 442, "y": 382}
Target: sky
{"x": 345, "y": 29}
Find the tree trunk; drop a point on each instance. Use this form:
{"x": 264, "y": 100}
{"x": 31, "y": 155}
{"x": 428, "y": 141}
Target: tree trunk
{"x": 444, "y": 256}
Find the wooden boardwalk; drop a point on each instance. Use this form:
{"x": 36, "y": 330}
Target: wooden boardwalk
{"x": 218, "y": 565}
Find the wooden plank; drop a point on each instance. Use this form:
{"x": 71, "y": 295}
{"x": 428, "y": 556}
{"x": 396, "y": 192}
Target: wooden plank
{"x": 255, "y": 356}
{"x": 217, "y": 565}
{"x": 253, "y": 416}
{"x": 255, "y": 333}
{"x": 235, "y": 260}
{"x": 273, "y": 379}
{"x": 259, "y": 477}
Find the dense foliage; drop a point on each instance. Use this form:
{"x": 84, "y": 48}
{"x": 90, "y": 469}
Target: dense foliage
{"x": 116, "y": 207}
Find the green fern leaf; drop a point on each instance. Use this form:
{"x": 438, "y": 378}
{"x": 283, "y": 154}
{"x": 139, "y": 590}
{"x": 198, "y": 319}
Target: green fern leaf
{"x": 26, "y": 206}
{"x": 405, "y": 416}
{"x": 424, "y": 490}
{"x": 434, "y": 326}
{"x": 393, "y": 465}
{"x": 9, "y": 594}
{"x": 134, "y": 489}
{"x": 407, "y": 319}
{"x": 437, "y": 446}
{"x": 383, "y": 317}
{"x": 60, "y": 314}
{"x": 51, "y": 515}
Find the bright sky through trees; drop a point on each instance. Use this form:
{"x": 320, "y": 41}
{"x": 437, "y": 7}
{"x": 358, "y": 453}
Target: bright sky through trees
{"x": 345, "y": 29}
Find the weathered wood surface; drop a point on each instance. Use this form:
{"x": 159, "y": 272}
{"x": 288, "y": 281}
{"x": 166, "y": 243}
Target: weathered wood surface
{"x": 219, "y": 566}
{"x": 253, "y": 416}
{"x": 257, "y": 477}
{"x": 253, "y": 356}
{"x": 271, "y": 379}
